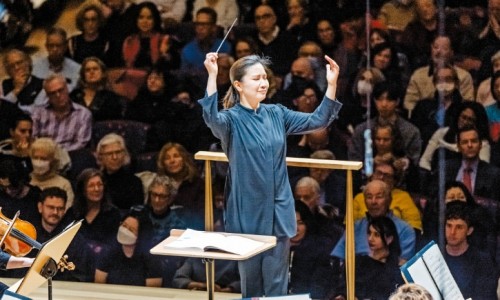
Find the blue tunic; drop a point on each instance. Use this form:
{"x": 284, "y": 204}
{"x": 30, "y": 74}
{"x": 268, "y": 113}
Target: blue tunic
{"x": 259, "y": 197}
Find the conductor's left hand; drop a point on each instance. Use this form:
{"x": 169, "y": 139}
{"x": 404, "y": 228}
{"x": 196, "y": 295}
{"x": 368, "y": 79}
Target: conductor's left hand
{"x": 332, "y": 71}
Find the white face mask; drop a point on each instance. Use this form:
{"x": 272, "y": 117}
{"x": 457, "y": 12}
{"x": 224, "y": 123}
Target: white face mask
{"x": 40, "y": 166}
{"x": 364, "y": 87}
{"x": 445, "y": 87}
{"x": 125, "y": 236}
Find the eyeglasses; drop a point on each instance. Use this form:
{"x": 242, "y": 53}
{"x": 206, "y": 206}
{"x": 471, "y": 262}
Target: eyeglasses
{"x": 113, "y": 153}
{"x": 154, "y": 195}
{"x": 263, "y": 17}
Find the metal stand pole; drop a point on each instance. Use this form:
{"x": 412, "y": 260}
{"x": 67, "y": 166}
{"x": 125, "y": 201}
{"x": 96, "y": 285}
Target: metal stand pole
{"x": 209, "y": 267}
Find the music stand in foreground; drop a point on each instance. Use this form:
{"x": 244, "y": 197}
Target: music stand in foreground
{"x": 44, "y": 266}
{"x": 209, "y": 257}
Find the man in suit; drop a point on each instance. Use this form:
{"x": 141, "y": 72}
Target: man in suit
{"x": 480, "y": 177}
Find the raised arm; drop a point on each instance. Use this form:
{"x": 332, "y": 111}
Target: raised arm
{"x": 212, "y": 68}
{"x": 332, "y": 74}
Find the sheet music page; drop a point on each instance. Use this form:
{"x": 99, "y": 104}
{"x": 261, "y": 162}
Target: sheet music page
{"x": 441, "y": 273}
{"x": 421, "y": 276}
{"x": 215, "y": 241}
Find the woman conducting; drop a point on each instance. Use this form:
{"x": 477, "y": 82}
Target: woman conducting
{"x": 253, "y": 136}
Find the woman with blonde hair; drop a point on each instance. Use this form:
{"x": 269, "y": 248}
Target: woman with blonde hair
{"x": 45, "y": 159}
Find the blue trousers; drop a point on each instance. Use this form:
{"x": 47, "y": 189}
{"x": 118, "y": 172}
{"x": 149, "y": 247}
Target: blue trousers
{"x": 266, "y": 274}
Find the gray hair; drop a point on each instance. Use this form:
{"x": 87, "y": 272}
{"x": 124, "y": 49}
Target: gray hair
{"x": 166, "y": 182}
{"x": 323, "y": 154}
{"x": 54, "y": 77}
{"x": 112, "y": 138}
{"x": 411, "y": 291}
{"x": 307, "y": 181}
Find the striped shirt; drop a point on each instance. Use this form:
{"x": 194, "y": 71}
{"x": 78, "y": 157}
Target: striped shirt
{"x": 72, "y": 132}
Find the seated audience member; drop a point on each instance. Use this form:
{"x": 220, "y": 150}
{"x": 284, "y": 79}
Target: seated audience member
{"x": 411, "y": 291}
{"x": 379, "y": 36}
{"x": 300, "y": 77}
{"x": 205, "y": 41}
{"x": 385, "y": 58}
{"x": 386, "y": 96}
{"x": 52, "y": 221}
{"x": 227, "y": 11}
{"x": 468, "y": 113}
{"x": 332, "y": 183}
{"x": 274, "y": 42}
{"x": 192, "y": 276}
{"x": 91, "y": 41}
{"x": 223, "y": 80}
{"x": 396, "y": 14}
{"x": 484, "y": 221}
{"x": 175, "y": 162}
{"x": 17, "y": 147}
{"x": 301, "y": 24}
{"x": 147, "y": 46}
{"x": 67, "y": 123}
{"x": 150, "y": 104}
{"x": 489, "y": 38}
{"x": 126, "y": 262}
{"x": 493, "y": 110}
{"x": 429, "y": 114}
{"x": 158, "y": 218}
{"x": 8, "y": 114}
{"x": 92, "y": 204}
{"x": 325, "y": 215}
{"x": 354, "y": 111}
{"x": 480, "y": 178}
{"x": 313, "y": 51}
{"x": 310, "y": 269}
{"x": 377, "y": 272}
{"x": 484, "y": 93}
{"x": 390, "y": 170}
{"x": 473, "y": 270}
{"x": 378, "y": 200}
{"x": 123, "y": 187}
{"x": 326, "y": 36}
{"x": 16, "y": 194}
{"x": 92, "y": 93}
{"x": 45, "y": 159}
{"x": 21, "y": 87}
{"x": 421, "y": 85}
{"x": 120, "y": 23}
{"x": 183, "y": 122}
{"x": 55, "y": 62}
{"x": 172, "y": 10}
{"x": 244, "y": 46}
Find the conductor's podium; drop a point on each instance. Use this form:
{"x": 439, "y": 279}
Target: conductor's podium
{"x": 65, "y": 290}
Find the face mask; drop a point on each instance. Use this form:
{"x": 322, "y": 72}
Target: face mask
{"x": 364, "y": 87}
{"x": 126, "y": 237}
{"x": 40, "y": 166}
{"x": 445, "y": 87}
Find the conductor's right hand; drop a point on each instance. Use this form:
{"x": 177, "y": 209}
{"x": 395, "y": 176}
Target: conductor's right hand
{"x": 211, "y": 63}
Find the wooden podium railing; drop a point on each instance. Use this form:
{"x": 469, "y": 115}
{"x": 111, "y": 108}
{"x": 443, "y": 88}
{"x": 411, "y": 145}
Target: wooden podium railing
{"x": 349, "y": 166}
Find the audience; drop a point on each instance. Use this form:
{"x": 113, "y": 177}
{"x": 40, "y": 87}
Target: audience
{"x": 21, "y": 88}
{"x": 227, "y": 11}
{"x": 67, "y": 123}
{"x": 17, "y": 147}
{"x": 92, "y": 93}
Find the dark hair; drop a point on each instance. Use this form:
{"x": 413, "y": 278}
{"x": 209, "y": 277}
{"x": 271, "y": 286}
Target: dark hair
{"x": 236, "y": 73}
{"x": 469, "y": 199}
{"x": 157, "y": 23}
{"x": 254, "y": 47}
{"x": 18, "y": 119}
{"x": 397, "y": 138}
{"x": 53, "y": 191}
{"x": 467, "y": 128}
{"x": 14, "y": 172}
{"x": 393, "y": 64}
{"x": 383, "y": 34}
{"x": 481, "y": 122}
{"x": 458, "y": 210}
{"x": 306, "y": 215}
{"x": 386, "y": 228}
{"x": 392, "y": 89}
{"x": 58, "y": 31}
{"x": 80, "y": 203}
{"x": 81, "y": 13}
{"x": 104, "y": 80}
{"x": 208, "y": 11}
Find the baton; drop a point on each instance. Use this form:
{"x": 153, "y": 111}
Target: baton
{"x": 225, "y": 37}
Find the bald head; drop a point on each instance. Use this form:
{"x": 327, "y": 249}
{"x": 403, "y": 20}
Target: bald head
{"x": 377, "y": 198}
{"x": 302, "y": 67}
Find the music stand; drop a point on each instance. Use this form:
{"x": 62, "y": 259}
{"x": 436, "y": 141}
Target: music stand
{"x": 210, "y": 257}
{"x": 48, "y": 256}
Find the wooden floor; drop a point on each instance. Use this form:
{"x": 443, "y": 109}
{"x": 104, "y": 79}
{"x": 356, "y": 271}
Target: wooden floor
{"x": 62, "y": 290}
